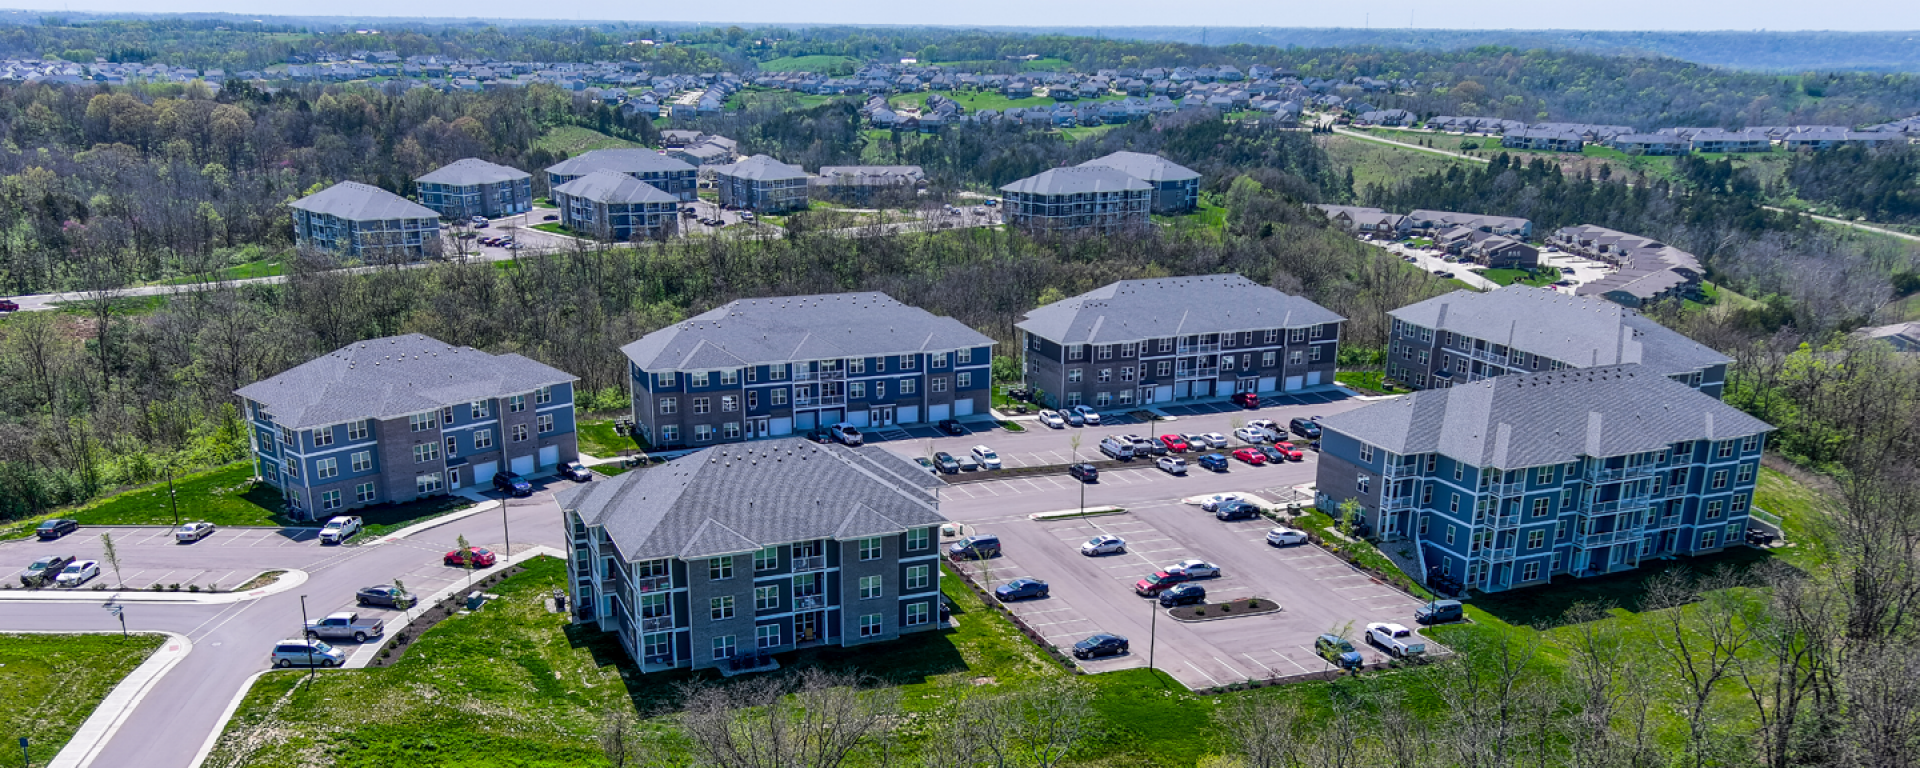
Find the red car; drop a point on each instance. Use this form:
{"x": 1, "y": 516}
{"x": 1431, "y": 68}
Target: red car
{"x": 482, "y": 558}
{"x": 1251, "y": 456}
{"x": 9, "y": 306}
{"x": 1158, "y": 582}
{"x": 1246, "y": 399}
{"x": 1174, "y": 443}
{"x": 1292, "y": 453}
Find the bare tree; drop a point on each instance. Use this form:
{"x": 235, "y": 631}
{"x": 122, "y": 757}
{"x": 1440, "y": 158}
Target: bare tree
{"x": 1029, "y": 728}
{"x": 1262, "y": 730}
{"x": 1703, "y": 628}
{"x": 627, "y": 744}
{"x": 812, "y": 720}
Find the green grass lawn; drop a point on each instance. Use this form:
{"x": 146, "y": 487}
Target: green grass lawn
{"x": 555, "y": 227}
{"x": 572, "y": 140}
{"x": 817, "y": 63}
{"x": 598, "y": 439}
{"x": 1373, "y": 381}
{"x": 1210, "y": 215}
{"x": 1085, "y": 132}
{"x": 1383, "y": 164}
{"x": 53, "y": 682}
{"x": 1538, "y": 278}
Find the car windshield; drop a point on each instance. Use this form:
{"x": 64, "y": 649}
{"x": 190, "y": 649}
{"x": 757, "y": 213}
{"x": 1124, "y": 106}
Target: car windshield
{"x": 188, "y": 527}
{"x": 1096, "y": 541}
{"x": 1156, "y": 578}
{"x": 989, "y": 455}
{"x": 334, "y": 525}
{"x": 39, "y": 565}
{"x": 320, "y": 647}
{"x": 75, "y": 568}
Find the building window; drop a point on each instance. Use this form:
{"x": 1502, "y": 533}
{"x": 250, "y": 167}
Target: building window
{"x": 1719, "y": 479}
{"x": 1297, "y": 335}
{"x": 669, "y": 405}
{"x": 323, "y": 437}
{"x": 446, "y": 415}
{"x": 543, "y": 396}
{"x": 1450, "y": 533}
{"x": 907, "y": 386}
{"x": 729, "y": 378}
{"x": 1530, "y": 572}
{"x": 939, "y": 359}
{"x": 1739, "y": 504}
{"x": 480, "y": 409}
{"x": 1536, "y": 538}
{"x": 870, "y": 548}
{"x": 1296, "y": 357}
{"x": 723, "y": 647}
{"x": 330, "y": 499}
{"x": 917, "y": 577}
{"x": 869, "y": 587}
{"x": 918, "y": 539}
{"x": 730, "y": 430}
{"x": 482, "y": 439}
{"x": 1713, "y": 509}
{"x": 1267, "y": 358}
{"x": 1074, "y": 375}
{"x": 767, "y": 559}
{"x": 776, "y": 373}
{"x": 696, "y": 380}
{"x": 916, "y": 614}
{"x": 1709, "y": 539}
{"x": 720, "y": 608}
{"x": 363, "y": 493}
{"x": 361, "y": 461}
{"x": 964, "y": 380}
{"x": 1366, "y": 454}
{"x": 326, "y": 468}
{"x": 421, "y": 422}
{"x": 766, "y": 598}
{"x": 1544, "y": 475}
{"x": 1459, "y": 471}
{"x": 1751, "y": 443}
{"x": 670, "y": 434}
{"x": 1106, "y": 375}
{"x": 857, "y": 390}
{"x": 767, "y": 636}
{"x": 777, "y": 396}
{"x": 753, "y": 400}
{"x": 1273, "y": 336}
{"x": 1363, "y": 482}
{"x": 426, "y": 452}
{"x": 357, "y": 430}
{"x": 909, "y": 362}
{"x": 1540, "y": 506}
{"x": 964, "y": 356}
{"x": 1745, "y": 475}
{"x": 426, "y": 484}
{"x": 1163, "y": 368}
{"x": 719, "y": 568}
{"x": 544, "y": 422}
{"x": 870, "y": 625}
{"x": 1105, "y": 352}
{"x": 702, "y": 405}
{"x": 1424, "y": 520}
{"x": 519, "y": 432}
{"x": 516, "y": 403}
{"x": 938, "y": 383}
{"x": 1077, "y": 352}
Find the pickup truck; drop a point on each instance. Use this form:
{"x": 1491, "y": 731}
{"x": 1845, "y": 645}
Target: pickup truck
{"x": 1396, "y": 640}
{"x": 344, "y": 625}
{"x": 339, "y": 529}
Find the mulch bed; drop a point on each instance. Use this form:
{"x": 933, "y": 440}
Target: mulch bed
{"x": 398, "y": 642}
{"x": 1248, "y": 606}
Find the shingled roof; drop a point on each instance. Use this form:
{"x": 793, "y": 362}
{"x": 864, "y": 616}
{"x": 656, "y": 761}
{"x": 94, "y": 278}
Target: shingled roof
{"x": 762, "y": 168}
{"x": 618, "y": 161}
{"x": 1531, "y": 420}
{"x": 738, "y": 498}
{"x": 393, "y": 377}
{"x": 1142, "y": 166}
{"x": 472, "y": 171}
{"x": 1136, "y": 310}
{"x": 354, "y": 201}
{"x": 611, "y": 187}
{"x": 1078, "y": 180}
{"x": 799, "y": 328}
{"x": 1579, "y": 331}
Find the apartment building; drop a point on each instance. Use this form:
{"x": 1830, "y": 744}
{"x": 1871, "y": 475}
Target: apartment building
{"x": 402, "y": 418}
{"x": 1082, "y": 199}
{"x": 616, "y": 207}
{"x": 1137, "y": 342}
{"x": 772, "y": 367}
{"x": 365, "y": 222}
{"x": 1511, "y": 481}
{"x": 474, "y": 187}
{"x": 1467, "y": 336}
{"x": 737, "y": 552}
{"x": 651, "y": 166}
{"x": 762, "y": 184}
{"x": 1176, "y": 188}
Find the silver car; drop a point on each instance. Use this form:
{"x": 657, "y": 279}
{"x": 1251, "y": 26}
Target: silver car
{"x": 193, "y": 532}
{"x": 301, "y": 653}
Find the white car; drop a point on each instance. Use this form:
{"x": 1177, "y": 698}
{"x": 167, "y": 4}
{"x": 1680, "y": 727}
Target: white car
{"x": 1194, "y": 569}
{"x": 1053, "y": 419}
{"x": 193, "y": 531}
{"x": 1213, "y": 502}
{"x": 1265, "y": 425}
{"x": 986, "y": 456}
{"x": 1215, "y": 439}
{"x": 77, "y": 574}
{"x": 339, "y": 529}
{"x": 1087, "y": 412}
{"x": 1286, "y": 537}
{"x": 1251, "y": 435}
{"x": 1172, "y": 465}
{"x": 1104, "y": 544}
{"x": 1396, "y": 640}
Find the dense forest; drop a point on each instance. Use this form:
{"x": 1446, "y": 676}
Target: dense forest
{"x": 1881, "y": 184}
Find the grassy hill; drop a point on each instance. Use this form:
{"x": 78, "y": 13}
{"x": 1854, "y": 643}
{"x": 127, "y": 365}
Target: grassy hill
{"x": 573, "y": 140}
{"x": 822, "y": 63}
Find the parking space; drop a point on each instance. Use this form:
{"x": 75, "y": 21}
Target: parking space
{"x": 150, "y": 555}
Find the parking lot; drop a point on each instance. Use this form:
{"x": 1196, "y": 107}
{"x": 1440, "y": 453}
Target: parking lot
{"x": 150, "y": 555}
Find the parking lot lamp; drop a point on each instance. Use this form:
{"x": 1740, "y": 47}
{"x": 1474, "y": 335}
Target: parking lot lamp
{"x": 303, "y": 635}
{"x": 1153, "y": 629}
{"x": 506, "y": 530}
{"x": 172, "y": 500}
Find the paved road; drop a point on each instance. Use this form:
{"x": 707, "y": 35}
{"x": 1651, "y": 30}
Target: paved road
{"x": 1404, "y": 145}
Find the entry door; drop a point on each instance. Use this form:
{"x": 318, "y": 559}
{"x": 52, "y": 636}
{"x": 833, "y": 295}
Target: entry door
{"x": 453, "y": 477}
{"x": 806, "y": 627}
{"x": 758, "y": 427}
{"x": 881, "y": 417}
{"x": 1145, "y": 394}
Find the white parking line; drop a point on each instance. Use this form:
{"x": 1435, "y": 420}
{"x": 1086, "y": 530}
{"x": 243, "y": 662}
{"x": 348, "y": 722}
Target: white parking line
{"x": 1356, "y": 586}
{"x": 1257, "y": 661}
{"x": 1203, "y": 673}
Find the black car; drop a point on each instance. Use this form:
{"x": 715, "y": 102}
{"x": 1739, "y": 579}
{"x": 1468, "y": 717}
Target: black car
{"x": 1183, "y": 594}
{"x": 512, "y": 483}
{"x": 1145, "y": 447}
{"x": 44, "y": 569}
{"x": 1099, "y": 645}
{"x": 945, "y": 462}
{"x": 1274, "y": 455}
{"x": 1086, "y": 473}
{"x": 1020, "y": 589}
{"x": 550, "y": 217}
{"x": 952, "y": 427}
{"x": 573, "y": 471}
{"x": 56, "y": 528}
{"x": 1305, "y": 428}
{"x": 1236, "y": 510}
{"x": 385, "y": 595}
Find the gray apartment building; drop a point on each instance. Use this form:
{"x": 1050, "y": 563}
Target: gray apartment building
{"x": 651, "y": 166}
{"x": 1467, "y": 336}
{"x": 473, "y": 187}
{"x": 1511, "y": 481}
{"x": 762, "y": 184}
{"x": 1137, "y": 342}
{"x": 1079, "y": 200}
{"x": 365, "y": 222}
{"x": 1176, "y": 188}
{"x": 402, "y": 418}
{"x": 772, "y": 367}
{"x": 732, "y": 554}
{"x": 616, "y": 207}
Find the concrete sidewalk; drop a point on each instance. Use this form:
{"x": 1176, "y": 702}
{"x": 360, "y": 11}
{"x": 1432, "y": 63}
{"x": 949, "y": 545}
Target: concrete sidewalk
{"x": 113, "y": 710}
{"x": 288, "y": 580}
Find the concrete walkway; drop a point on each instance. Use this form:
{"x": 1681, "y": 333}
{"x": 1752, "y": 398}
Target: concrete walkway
{"x": 113, "y": 710}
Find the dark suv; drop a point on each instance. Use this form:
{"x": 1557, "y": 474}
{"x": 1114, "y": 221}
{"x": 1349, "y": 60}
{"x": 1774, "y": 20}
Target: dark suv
{"x": 512, "y": 483}
{"x": 1086, "y": 473}
{"x": 56, "y": 528}
{"x": 1305, "y": 428}
{"x": 1236, "y": 510}
{"x": 1183, "y": 594}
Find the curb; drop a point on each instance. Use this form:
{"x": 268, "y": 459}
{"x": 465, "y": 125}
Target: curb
{"x": 1278, "y": 608}
{"x": 482, "y": 504}
{"x": 1073, "y": 514}
{"x": 289, "y": 580}
{"x": 113, "y": 710}
{"x": 365, "y": 653}
{"x": 226, "y": 716}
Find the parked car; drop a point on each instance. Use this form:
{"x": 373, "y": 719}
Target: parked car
{"x": 1074, "y": 418}
{"x": 1266, "y": 425}
{"x": 1238, "y": 510}
{"x": 1396, "y": 640}
{"x": 1246, "y": 399}
{"x": 1290, "y": 451}
{"x": 1104, "y": 544}
{"x": 1305, "y": 428}
{"x": 193, "y": 532}
{"x": 1251, "y": 435}
{"x": 952, "y": 427}
{"x": 1172, "y": 465}
{"x": 1214, "y": 439}
{"x": 339, "y": 529}
{"x": 1157, "y": 582}
{"x": 1053, "y": 419}
{"x": 52, "y": 529}
{"x": 980, "y": 547}
{"x": 986, "y": 457}
{"x": 1197, "y": 441}
{"x": 512, "y": 483}
{"x": 1214, "y": 461}
{"x": 1086, "y": 473}
{"x": 945, "y": 462}
{"x": 1285, "y": 537}
{"x": 1099, "y": 645}
{"x": 1215, "y": 501}
{"x": 1020, "y": 589}
{"x": 1116, "y": 448}
{"x": 575, "y": 471}
{"x": 926, "y": 464}
{"x": 386, "y": 595}
{"x": 1440, "y": 612}
{"x": 1143, "y": 447}
{"x": 1252, "y": 456}
{"x": 1183, "y": 594}
{"x": 1274, "y": 455}
{"x": 1195, "y": 569}
{"x": 1087, "y": 412}
{"x": 967, "y": 462}
{"x": 45, "y": 569}
{"x": 478, "y": 556}
{"x": 1174, "y": 443}
{"x": 845, "y": 433}
{"x": 317, "y": 653}
{"x": 77, "y": 573}
{"x": 344, "y": 625}
{"x": 479, "y": 222}
{"x": 7, "y": 305}
{"x": 1337, "y": 651}
{"x": 550, "y": 217}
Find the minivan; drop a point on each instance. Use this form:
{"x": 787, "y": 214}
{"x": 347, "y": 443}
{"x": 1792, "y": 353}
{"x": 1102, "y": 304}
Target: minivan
{"x": 1439, "y": 612}
{"x": 1116, "y": 448}
{"x": 978, "y": 547}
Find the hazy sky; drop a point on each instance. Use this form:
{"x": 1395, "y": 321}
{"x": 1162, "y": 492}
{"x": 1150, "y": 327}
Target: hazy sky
{"x": 1858, "y": 15}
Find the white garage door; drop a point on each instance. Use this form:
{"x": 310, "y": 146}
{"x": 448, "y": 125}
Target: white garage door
{"x": 1313, "y": 378}
{"x": 549, "y": 455}
{"x": 1293, "y": 383}
{"x": 804, "y": 421}
{"x": 939, "y": 412}
{"x": 1267, "y": 384}
{"x": 1163, "y": 393}
{"x": 908, "y": 414}
{"x": 781, "y": 426}
{"x": 523, "y": 465}
{"x": 483, "y": 472}
{"x": 858, "y": 418}
{"x": 963, "y": 407}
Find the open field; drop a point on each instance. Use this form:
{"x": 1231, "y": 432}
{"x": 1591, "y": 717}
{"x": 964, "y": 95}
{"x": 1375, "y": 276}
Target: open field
{"x": 573, "y": 140}
{"x": 53, "y": 682}
{"x": 1375, "y": 163}
{"x": 818, "y": 63}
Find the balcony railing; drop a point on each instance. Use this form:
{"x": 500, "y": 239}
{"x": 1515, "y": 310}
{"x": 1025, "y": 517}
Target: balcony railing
{"x": 1394, "y": 470}
{"x": 1499, "y": 554}
{"x": 1662, "y": 522}
{"x": 1197, "y": 349}
{"x": 1507, "y": 488}
{"x": 1489, "y": 356}
{"x": 812, "y": 563}
{"x": 1197, "y": 373}
{"x": 1504, "y": 521}
{"x": 654, "y": 583}
{"x": 1397, "y": 503}
{"x": 1607, "y": 539}
{"x": 804, "y": 602}
{"x": 835, "y": 374}
{"x": 819, "y": 400}
{"x": 656, "y": 623}
{"x": 1599, "y": 474}
{"x": 1615, "y": 507}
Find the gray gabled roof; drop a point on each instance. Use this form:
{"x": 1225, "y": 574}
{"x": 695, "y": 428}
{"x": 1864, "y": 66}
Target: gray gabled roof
{"x": 618, "y": 161}
{"x": 471, "y": 171}
{"x": 393, "y": 377}
{"x": 611, "y": 187}
{"x": 1137, "y": 310}
{"x": 1078, "y": 180}
{"x": 354, "y": 201}
{"x": 761, "y": 168}
{"x": 799, "y": 328}
{"x": 737, "y": 498}
{"x": 1142, "y": 166}
{"x": 1579, "y": 331}
{"x": 1531, "y": 420}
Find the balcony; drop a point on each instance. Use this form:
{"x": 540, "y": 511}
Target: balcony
{"x": 1598, "y": 474}
{"x": 1607, "y": 539}
{"x": 808, "y": 602}
{"x": 1197, "y": 372}
{"x": 819, "y": 401}
{"x": 1499, "y": 554}
{"x": 1397, "y": 503}
{"x": 656, "y": 623}
{"x": 835, "y": 374}
{"x": 1507, "y": 488}
{"x": 1662, "y": 523}
{"x": 1196, "y": 349}
{"x": 1489, "y": 356}
{"x": 813, "y": 563}
{"x": 1503, "y": 522}
{"x": 1394, "y": 470}
{"x": 1617, "y": 506}
{"x": 654, "y": 583}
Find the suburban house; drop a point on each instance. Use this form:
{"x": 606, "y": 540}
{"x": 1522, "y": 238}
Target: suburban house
{"x": 772, "y": 367}
{"x": 1080, "y": 200}
{"x": 762, "y": 184}
{"x": 736, "y": 552}
{"x": 616, "y": 207}
{"x": 1437, "y": 221}
{"x": 1467, "y": 336}
{"x": 1648, "y": 270}
{"x": 402, "y": 418}
{"x": 1651, "y": 144}
{"x": 1511, "y": 481}
{"x": 1366, "y": 221}
{"x": 365, "y": 222}
{"x": 1176, "y": 189}
{"x": 859, "y": 183}
{"x": 1136, "y": 342}
{"x": 1482, "y": 247}
{"x": 1543, "y": 139}
{"x": 666, "y": 174}
{"x": 474, "y": 187}
{"x": 1717, "y": 140}
{"x": 1904, "y": 337}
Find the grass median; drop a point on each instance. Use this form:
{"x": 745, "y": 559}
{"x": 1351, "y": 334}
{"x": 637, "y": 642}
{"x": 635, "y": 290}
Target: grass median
{"x": 54, "y": 682}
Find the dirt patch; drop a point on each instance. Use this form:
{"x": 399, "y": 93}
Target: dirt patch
{"x": 1246, "y": 606}
{"x": 396, "y": 644}
{"x": 261, "y": 580}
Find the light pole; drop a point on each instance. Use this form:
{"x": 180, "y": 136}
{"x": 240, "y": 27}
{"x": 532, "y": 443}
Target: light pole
{"x": 1153, "y": 630}
{"x": 303, "y": 635}
{"x": 172, "y": 500}
{"x": 506, "y": 530}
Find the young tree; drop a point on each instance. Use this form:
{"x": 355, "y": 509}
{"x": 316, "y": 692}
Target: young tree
{"x": 112, "y": 556}
{"x": 812, "y": 720}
